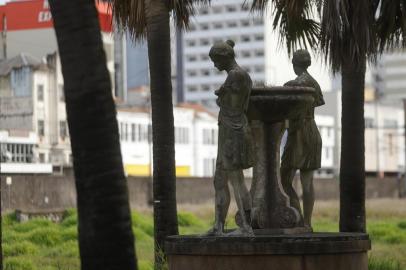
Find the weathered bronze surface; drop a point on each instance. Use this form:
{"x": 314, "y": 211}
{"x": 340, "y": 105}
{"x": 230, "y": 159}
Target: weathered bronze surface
{"x": 303, "y": 147}
{"x": 235, "y": 144}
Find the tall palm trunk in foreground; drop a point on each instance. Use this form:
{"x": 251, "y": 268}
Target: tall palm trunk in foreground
{"x": 105, "y": 236}
{"x": 352, "y": 167}
{"x": 164, "y": 179}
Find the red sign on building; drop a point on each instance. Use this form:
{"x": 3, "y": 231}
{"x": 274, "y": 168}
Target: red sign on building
{"x": 35, "y": 14}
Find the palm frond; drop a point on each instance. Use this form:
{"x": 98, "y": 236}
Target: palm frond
{"x": 130, "y": 16}
{"x": 295, "y": 21}
{"x": 184, "y": 9}
{"x": 347, "y": 25}
{"x": 391, "y": 24}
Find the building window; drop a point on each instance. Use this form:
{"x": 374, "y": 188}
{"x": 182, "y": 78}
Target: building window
{"x": 217, "y": 25}
{"x": 41, "y": 157}
{"x": 245, "y": 23}
{"x": 259, "y": 37}
{"x": 205, "y": 72}
{"x": 389, "y": 123}
{"x": 181, "y": 135}
{"x": 41, "y": 128}
{"x": 191, "y": 43}
{"x": 209, "y": 136}
{"x": 369, "y": 122}
{"x": 62, "y": 129}
{"x": 133, "y": 132}
{"x": 204, "y": 26}
{"x": 192, "y": 88}
{"x": 40, "y": 92}
{"x": 245, "y": 38}
{"x": 125, "y": 132}
{"x": 245, "y": 54}
{"x": 191, "y": 58}
{"x": 61, "y": 93}
{"x": 259, "y": 53}
{"x": 204, "y": 42}
{"x": 205, "y": 87}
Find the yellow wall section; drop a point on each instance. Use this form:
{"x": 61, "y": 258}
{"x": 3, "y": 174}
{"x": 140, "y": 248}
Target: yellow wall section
{"x": 136, "y": 170}
{"x": 143, "y": 170}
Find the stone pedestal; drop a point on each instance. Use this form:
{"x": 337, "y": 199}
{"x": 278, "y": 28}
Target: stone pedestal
{"x": 317, "y": 251}
{"x": 268, "y": 109}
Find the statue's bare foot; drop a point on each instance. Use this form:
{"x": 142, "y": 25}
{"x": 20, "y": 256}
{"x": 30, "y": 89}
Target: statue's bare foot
{"x": 242, "y": 231}
{"x": 215, "y": 231}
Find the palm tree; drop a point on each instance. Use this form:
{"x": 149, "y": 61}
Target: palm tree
{"x": 106, "y": 240}
{"x": 350, "y": 32}
{"x": 150, "y": 19}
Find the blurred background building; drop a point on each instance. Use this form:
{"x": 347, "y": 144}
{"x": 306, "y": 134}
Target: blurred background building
{"x": 33, "y": 127}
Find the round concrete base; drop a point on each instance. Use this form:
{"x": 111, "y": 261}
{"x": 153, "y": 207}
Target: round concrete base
{"x": 313, "y": 251}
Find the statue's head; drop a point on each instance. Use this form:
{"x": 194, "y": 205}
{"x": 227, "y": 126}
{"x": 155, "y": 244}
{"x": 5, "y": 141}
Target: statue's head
{"x": 222, "y": 53}
{"x": 301, "y": 61}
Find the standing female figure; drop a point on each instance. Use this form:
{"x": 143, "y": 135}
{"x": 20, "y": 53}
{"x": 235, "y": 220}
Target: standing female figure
{"x": 235, "y": 145}
{"x": 303, "y": 147}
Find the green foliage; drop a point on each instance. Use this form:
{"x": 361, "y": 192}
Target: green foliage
{"x": 402, "y": 225}
{"x": 144, "y": 222}
{"x": 69, "y": 234}
{"x": 387, "y": 232}
{"x": 9, "y": 219}
{"x": 45, "y": 236}
{"x": 383, "y": 264}
{"x": 145, "y": 265}
{"x": 187, "y": 219}
{"x": 32, "y": 225}
{"x": 41, "y": 245}
{"x": 141, "y": 235}
{"x": 19, "y": 248}
{"x": 14, "y": 263}
{"x": 69, "y": 221}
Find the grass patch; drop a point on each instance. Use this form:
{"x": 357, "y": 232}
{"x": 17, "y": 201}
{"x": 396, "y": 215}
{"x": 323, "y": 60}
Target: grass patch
{"x": 42, "y": 245}
{"x": 16, "y": 263}
{"x": 383, "y": 264}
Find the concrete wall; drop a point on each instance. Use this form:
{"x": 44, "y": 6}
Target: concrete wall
{"x": 41, "y": 192}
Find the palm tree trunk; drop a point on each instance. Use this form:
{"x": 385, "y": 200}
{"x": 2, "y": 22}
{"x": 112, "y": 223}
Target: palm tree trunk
{"x": 164, "y": 179}
{"x": 106, "y": 240}
{"x": 352, "y": 171}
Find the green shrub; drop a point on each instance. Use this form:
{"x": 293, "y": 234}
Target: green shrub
{"x": 9, "y": 219}
{"x": 144, "y": 222}
{"x": 145, "y": 265}
{"x": 402, "y": 225}
{"x": 32, "y": 225}
{"x": 383, "y": 264}
{"x": 70, "y": 218}
{"x": 17, "y": 263}
{"x": 69, "y": 234}
{"x": 19, "y": 248}
{"x": 187, "y": 219}
{"x": 10, "y": 236}
{"x": 141, "y": 235}
{"x": 45, "y": 236}
{"x": 69, "y": 249}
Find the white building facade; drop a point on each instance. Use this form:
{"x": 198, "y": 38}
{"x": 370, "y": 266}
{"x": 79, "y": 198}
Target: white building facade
{"x": 195, "y": 141}
{"x": 32, "y": 100}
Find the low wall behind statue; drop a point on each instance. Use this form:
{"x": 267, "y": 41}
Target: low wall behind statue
{"x": 55, "y": 192}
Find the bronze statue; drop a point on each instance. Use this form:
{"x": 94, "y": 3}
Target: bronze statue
{"x": 235, "y": 145}
{"x": 303, "y": 147}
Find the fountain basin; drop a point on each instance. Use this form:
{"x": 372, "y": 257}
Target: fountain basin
{"x": 274, "y": 104}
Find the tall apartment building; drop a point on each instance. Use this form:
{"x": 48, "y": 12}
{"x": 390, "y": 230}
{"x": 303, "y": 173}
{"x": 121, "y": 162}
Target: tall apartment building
{"x": 257, "y": 49}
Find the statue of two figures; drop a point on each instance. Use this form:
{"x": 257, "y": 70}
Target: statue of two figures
{"x": 236, "y": 145}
